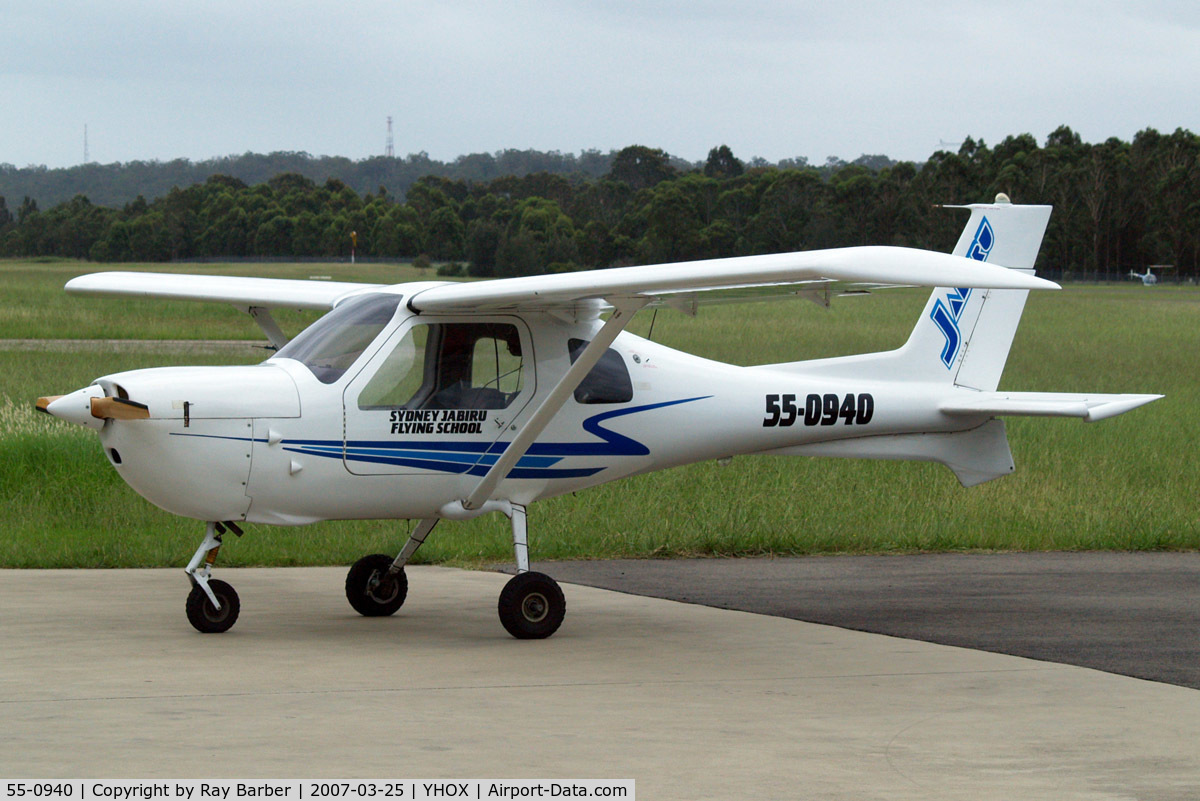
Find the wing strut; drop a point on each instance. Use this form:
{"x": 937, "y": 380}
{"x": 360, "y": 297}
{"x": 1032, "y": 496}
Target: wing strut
{"x": 623, "y": 310}
{"x": 266, "y": 322}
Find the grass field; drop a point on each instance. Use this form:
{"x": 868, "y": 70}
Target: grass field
{"x": 1126, "y": 483}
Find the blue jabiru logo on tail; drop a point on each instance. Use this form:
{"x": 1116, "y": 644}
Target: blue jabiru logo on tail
{"x": 945, "y": 315}
{"x": 985, "y": 237}
{"x": 947, "y": 311}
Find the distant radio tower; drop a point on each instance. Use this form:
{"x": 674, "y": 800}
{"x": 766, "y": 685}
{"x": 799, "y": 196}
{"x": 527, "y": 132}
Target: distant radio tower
{"x": 86, "y": 158}
{"x": 390, "y": 150}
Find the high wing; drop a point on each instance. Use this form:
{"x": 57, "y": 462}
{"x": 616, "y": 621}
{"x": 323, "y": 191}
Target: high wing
{"x": 266, "y": 293}
{"x": 872, "y": 265}
{"x": 255, "y": 296}
{"x": 860, "y": 266}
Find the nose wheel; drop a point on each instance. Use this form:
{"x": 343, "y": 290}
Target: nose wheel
{"x": 212, "y": 605}
{"x": 207, "y": 618}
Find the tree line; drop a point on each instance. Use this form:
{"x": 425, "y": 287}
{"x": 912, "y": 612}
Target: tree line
{"x": 1118, "y": 206}
{"x": 119, "y": 183}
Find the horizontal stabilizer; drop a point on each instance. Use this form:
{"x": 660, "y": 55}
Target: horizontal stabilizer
{"x": 270, "y": 293}
{"x": 974, "y": 456}
{"x": 1090, "y": 408}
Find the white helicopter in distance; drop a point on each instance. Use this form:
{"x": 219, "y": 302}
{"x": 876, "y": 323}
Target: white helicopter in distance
{"x": 1148, "y": 278}
{"x": 436, "y": 400}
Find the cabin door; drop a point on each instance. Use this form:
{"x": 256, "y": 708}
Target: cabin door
{"x": 437, "y": 397}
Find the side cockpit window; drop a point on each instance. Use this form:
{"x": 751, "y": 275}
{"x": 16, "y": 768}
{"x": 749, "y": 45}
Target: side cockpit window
{"x": 607, "y": 382}
{"x": 330, "y": 345}
{"x": 449, "y": 366}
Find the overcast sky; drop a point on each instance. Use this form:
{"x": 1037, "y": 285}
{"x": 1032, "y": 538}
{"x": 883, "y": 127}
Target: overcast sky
{"x": 777, "y": 79}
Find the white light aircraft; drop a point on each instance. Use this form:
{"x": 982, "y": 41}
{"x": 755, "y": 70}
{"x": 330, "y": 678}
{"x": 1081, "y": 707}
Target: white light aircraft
{"x": 435, "y": 400}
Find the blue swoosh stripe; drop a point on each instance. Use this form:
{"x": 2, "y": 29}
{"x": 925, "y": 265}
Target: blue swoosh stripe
{"x": 611, "y": 444}
{"x": 458, "y": 468}
{"x": 476, "y": 458}
{"x": 457, "y": 458}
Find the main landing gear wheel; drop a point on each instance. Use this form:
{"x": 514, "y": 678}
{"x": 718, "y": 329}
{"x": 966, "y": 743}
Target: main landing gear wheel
{"x": 206, "y": 618}
{"x": 532, "y": 606}
{"x": 371, "y": 591}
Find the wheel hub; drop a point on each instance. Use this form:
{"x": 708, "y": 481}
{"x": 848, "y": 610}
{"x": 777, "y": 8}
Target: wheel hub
{"x": 382, "y": 588}
{"x": 215, "y": 615}
{"x": 535, "y": 607}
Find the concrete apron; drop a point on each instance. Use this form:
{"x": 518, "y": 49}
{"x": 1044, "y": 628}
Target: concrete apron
{"x": 102, "y": 677}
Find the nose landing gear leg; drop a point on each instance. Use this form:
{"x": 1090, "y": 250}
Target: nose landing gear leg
{"x": 212, "y": 605}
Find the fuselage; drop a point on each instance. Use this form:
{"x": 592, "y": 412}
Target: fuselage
{"x": 384, "y": 433}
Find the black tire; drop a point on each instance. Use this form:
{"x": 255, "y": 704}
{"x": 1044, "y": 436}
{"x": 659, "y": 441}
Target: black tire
{"x": 206, "y": 618}
{"x": 371, "y": 591}
{"x": 532, "y": 606}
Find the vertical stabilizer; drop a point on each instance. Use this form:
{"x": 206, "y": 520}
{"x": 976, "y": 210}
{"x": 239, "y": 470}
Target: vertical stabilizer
{"x": 964, "y": 335}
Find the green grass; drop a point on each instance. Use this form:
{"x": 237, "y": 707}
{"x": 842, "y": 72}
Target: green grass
{"x": 1126, "y": 483}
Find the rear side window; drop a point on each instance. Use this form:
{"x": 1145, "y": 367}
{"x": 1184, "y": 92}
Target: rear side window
{"x": 608, "y": 381}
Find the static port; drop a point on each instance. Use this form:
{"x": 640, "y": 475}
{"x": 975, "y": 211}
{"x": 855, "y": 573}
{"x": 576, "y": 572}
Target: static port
{"x": 112, "y": 454}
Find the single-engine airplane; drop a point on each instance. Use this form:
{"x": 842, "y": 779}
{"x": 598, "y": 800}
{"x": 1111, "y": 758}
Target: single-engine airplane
{"x": 436, "y": 400}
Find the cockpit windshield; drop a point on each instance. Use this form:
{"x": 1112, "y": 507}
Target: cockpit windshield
{"x": 330, "y": 345}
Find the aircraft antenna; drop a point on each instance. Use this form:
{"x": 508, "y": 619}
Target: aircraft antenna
{"x": 390, "y": 149}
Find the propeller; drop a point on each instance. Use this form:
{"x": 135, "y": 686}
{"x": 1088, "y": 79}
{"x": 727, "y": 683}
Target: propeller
{"x": 90, "y": 407}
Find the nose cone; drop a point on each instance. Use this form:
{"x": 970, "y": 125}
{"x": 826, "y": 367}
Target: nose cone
{"x": 75, "y": 407}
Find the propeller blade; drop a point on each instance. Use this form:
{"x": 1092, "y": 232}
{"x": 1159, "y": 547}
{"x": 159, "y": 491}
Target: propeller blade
{"x": 119, "y": 409}
{"x": 44, "y": 402}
